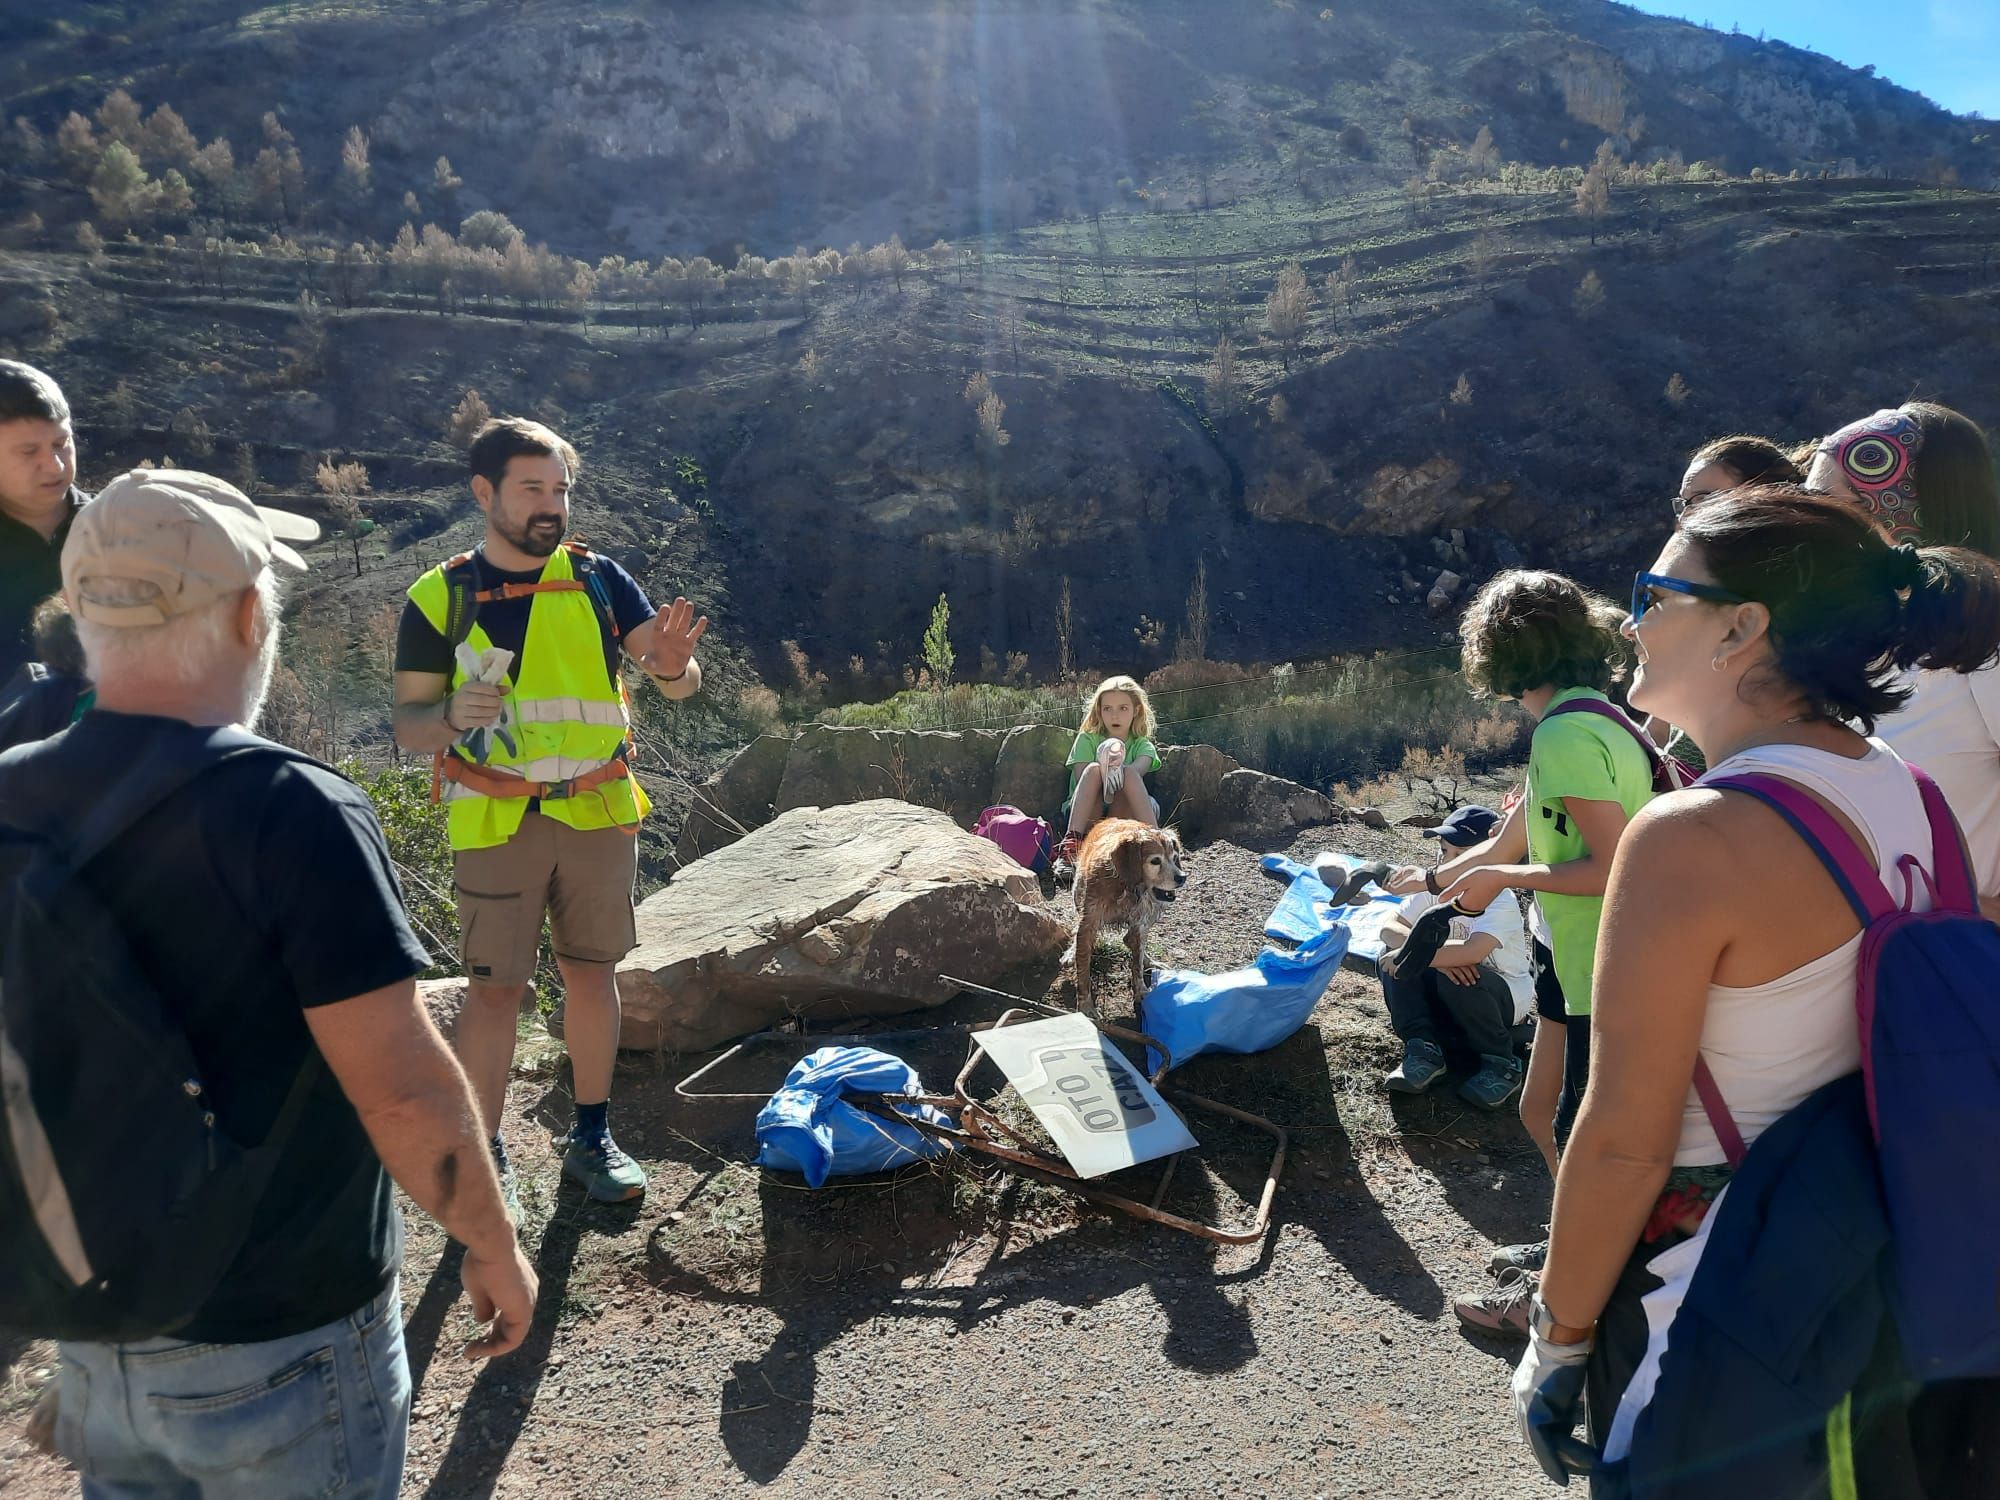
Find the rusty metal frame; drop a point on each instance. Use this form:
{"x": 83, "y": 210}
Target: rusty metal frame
{"x": 984, "y": 1132}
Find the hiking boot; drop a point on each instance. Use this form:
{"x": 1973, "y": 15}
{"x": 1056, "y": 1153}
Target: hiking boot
{"x": 1428, "y": 933}
{"x": 1503, "y": 1307}
{"x": 1062, "y": 864}
{"x": 1518, "y": 1258}
{"x": 510, "y": 1195}
{"x": 603, "y": 1171}
{"x": 1497, "y": 1081}
{"x": 1346, "y": 878}
{"x": 510, "y": 1188}
{"x": 1422, "y": 1066}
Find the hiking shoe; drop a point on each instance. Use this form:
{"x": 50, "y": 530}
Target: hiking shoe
{"x": 1428, "y": 933}
{"x": 1346, "y": 880}
{"x": 603, "y": 1171}
{"x": 1503, "y": 1307}
{"x": 1422, "y": 1066}
{"x": 1062, "y": 864}
{"x": 1518, "y": 1258}
{"x": 510, "y": 1194}
{"x": 1493, "y": 1085}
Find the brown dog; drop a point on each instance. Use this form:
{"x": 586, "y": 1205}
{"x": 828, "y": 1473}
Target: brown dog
{"x": 1123, "y": 871}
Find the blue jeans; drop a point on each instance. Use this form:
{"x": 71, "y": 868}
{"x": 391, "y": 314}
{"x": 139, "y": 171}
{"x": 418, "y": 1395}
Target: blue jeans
{"x": 320, "y": 1413}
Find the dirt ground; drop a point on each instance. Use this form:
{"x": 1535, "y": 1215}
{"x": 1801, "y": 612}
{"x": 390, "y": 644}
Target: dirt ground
{"x": 964, "y": 1332}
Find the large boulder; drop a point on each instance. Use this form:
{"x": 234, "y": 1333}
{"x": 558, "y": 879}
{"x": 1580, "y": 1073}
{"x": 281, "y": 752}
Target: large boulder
{"x": 1185, "y": 786}
{"x": 828, "y": 913}
{"x": 1250, "y": 808}
{"x": 1031, "y": 771}
{"x": 742, "y": 792}
{"x": 944, "y": 769}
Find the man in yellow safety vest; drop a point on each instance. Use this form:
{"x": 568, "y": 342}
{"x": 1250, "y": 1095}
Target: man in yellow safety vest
{"x": 532, "y": 765}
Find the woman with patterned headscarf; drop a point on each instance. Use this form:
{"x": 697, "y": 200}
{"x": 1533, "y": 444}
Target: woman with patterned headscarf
{"x": 1925, "y": 472}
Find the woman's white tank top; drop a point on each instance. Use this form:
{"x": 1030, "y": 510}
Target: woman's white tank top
{"x": 1770, "y": 1045}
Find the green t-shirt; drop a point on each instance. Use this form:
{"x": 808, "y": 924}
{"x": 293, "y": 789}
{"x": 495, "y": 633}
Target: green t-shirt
{"x": 1595, "y": 759}
{"x": 1140, "y": 756}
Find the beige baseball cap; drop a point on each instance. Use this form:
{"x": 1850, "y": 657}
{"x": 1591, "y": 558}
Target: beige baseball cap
{"x": 192, "y": 537}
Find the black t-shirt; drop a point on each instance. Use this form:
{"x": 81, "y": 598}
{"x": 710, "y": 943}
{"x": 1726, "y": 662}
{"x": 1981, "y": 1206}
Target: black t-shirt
{"x": 421, "y": 647}
{"x": 261, "y": 890}
{"x": 30, "y": 571}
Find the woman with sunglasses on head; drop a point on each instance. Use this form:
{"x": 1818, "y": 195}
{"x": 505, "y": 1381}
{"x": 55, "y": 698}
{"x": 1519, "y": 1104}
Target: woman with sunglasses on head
{"x": 1724, "y": 463}
{"x": 1770, "y": 627}
{"x": 1926, "y": 473}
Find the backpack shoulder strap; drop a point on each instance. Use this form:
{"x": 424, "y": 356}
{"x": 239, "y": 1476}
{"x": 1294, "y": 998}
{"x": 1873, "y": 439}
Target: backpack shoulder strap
{"x": 1719, "y": 1119}
{"x": 1852, "y": 870}
{"x": 150, "y": 783}
{"x": 1951, "y": 863}
{"x": 1655, "y": 756}
{"x": 461, "y": 599}
{"x": 584, "y": 564}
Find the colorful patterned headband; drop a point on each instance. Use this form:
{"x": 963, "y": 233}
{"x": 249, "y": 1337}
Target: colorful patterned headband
{"x": 1878, "y": 455}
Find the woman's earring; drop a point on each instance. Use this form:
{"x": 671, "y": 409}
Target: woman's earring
{"x": 1717, "y": 665}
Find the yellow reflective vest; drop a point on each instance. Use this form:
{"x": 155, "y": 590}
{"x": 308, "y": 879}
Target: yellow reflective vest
{"x": 570, "y": 715}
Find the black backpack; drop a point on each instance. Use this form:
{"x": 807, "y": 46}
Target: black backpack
{"x": 122, "y": 1203}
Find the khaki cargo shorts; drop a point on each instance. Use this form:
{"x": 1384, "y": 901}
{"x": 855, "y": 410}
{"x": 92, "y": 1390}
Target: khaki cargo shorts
{"x": 581, "y": 880}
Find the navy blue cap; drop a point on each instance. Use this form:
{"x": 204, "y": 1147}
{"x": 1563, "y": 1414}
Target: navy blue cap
{"x": 1466, "y": 827}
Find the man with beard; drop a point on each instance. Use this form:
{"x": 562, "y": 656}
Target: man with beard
{"x": 542, "y": 808}
{"x": 255, "y": 891}
{"x": 38, "y": 496}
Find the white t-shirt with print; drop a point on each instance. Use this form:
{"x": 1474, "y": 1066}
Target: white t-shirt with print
{"x": 1501, "y": 920}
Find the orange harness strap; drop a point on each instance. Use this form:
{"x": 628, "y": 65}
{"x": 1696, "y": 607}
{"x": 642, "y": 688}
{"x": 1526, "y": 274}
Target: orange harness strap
{"x": 490, "y": 783}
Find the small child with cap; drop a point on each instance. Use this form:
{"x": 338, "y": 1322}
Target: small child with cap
{"x": 1475, "y": 978}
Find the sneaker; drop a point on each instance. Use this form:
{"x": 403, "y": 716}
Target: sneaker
{"x": 1062, "y": 864}
{"x": 1518, "y": 1258}
{"x": 1503, "y": 1307}
{"x": 1422, "y": 1066}
{"x": 1497, "y": 1081}
{"x": 603, "y": 1171}
{"x": 510, "y": 1189}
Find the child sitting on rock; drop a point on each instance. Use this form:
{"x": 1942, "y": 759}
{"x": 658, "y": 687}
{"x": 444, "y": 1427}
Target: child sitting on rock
{"x": 1108, "y": 765}
{"x": 1477, "y": 980}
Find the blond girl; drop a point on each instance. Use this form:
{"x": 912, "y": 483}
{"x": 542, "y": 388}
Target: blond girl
{"x": 1109, "y": 763}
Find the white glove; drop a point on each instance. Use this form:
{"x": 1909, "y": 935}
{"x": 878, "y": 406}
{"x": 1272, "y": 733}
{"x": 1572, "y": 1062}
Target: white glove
{"x": 1548, "y": 1392}
{"x": 1111, "y": 756}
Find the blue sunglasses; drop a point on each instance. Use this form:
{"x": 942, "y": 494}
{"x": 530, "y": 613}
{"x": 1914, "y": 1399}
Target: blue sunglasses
{"x": 1642, "y": 599}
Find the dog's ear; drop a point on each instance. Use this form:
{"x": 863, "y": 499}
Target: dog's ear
{"x": 1130, "y": 860}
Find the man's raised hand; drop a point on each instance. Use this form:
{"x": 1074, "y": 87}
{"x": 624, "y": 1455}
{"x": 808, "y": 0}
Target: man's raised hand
{"x": 675, "y": 634}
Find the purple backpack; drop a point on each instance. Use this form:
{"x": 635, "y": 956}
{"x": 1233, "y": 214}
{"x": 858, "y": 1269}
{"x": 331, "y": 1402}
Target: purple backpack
{"x": 1928, "y": 1004}
{"x": 1028, "y": 840}
{"x": 1670, "y": 772}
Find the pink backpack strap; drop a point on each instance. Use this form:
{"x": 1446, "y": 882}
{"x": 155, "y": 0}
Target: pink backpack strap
{"x": 1951, "y": 864}
{"x": 1719, "y": 1118}
{"x": 1851, "y": 868}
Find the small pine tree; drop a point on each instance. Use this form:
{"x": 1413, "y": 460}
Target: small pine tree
{"x": 344, "y": 485}
{"x": 1589, "y": 298}
{"x": 939, "y": 658}
{"x": 466, "y": 419}
{"x": 1677, "y": 390}
{"x": 1225, "y": 380}
{"x": 1461, "y": 394}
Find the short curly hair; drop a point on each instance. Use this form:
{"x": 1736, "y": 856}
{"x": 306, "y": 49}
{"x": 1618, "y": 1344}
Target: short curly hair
{"x": 1528, "y": 629}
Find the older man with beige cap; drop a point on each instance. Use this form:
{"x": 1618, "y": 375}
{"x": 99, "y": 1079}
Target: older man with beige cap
{"x": 258, "y": 897}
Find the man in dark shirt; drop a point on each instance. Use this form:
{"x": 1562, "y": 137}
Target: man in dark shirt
{"x": 38, "y": 496}
{"x": 262, "y": 902}
{"x": 542, "y": 806}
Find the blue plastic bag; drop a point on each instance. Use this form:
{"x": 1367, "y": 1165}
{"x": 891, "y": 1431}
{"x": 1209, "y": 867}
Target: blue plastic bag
{"x": 807, "y": 1127}
{"x": 1248, "y": 1010}
{"x": 1302, "y": 913}
{"x": 1306, "y": 909}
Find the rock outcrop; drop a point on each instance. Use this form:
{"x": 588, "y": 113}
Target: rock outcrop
{"x": 1201, "y": 791}
{"x": 828, "y": 913}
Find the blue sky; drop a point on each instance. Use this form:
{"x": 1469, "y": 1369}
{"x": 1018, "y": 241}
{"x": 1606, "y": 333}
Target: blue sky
{"x": 1948, "y": 50}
